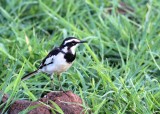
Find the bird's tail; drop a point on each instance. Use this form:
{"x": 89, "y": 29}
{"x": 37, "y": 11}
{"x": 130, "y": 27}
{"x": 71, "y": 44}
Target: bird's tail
{"x": 30, "y": 75}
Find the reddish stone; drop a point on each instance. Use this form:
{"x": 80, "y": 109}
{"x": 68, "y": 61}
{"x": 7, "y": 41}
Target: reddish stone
{"x": 69, "y": 103}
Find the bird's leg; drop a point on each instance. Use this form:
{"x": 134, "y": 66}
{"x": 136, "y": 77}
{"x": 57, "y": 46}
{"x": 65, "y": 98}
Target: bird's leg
{"x": 52, "y": 84}
{"x": 61, "y": 88}
{"x": 59, "y": 80}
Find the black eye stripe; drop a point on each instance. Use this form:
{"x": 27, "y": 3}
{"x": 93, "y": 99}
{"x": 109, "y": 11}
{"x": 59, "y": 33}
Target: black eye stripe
{"x": 70, "y": 43}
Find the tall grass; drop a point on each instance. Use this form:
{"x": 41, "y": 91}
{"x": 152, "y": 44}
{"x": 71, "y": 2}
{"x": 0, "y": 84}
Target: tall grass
{"x": 117, "y": 71}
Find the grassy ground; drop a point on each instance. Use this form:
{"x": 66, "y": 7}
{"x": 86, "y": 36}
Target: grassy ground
{"x": 117, "y": 72}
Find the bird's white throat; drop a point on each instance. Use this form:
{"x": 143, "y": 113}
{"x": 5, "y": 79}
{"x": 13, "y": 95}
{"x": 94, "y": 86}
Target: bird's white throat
{"x": 72, "y": 49}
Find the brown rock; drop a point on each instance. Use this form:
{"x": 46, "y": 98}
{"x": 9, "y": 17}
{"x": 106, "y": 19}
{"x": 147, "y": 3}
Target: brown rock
{"x": 21, "y": 105}
{"x": 4, "y": 100}
{"x": 69, "y": 103}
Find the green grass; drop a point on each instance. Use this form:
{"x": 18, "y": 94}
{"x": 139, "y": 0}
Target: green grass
{"x": 117, "y": 72}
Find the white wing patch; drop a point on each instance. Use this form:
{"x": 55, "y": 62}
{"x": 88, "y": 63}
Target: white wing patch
{"x": 49, "y": 60}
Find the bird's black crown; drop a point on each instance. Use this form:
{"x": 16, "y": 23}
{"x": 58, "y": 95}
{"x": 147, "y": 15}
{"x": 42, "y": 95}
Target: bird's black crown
{"x": 70, "y": 41}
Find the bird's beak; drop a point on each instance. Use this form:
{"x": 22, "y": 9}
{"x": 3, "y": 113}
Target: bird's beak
{"x": 83, "y": 41}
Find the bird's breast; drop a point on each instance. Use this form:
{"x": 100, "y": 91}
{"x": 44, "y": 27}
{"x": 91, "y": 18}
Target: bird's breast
{"x": 61, "y": 64}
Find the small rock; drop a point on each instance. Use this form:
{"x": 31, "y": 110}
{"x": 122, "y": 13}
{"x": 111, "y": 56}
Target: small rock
{"x": 69, "y": 102}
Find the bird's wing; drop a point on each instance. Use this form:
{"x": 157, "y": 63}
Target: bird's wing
{"x": 49, "y": 59}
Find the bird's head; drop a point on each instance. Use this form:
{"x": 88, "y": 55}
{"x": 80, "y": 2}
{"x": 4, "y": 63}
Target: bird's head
{"x": 70, "y": 44}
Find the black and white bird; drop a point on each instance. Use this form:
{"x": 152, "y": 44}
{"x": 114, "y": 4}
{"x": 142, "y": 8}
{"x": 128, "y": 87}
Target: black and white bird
{"x": 59, "y": 59}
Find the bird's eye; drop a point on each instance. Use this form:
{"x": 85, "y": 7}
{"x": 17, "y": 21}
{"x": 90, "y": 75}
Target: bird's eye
{"x": 73, "y": 43}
